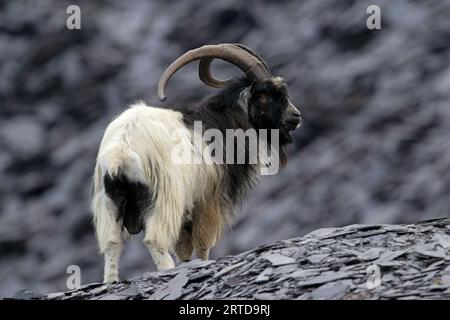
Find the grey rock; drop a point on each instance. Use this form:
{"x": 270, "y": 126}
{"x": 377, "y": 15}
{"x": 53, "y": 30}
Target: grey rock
{"x": 173, "y": 289}
{"x": 371, "y": 254}
{"x": 325, "y": 277}
{"x": 25, "y": 294}
{"x": 264, "y": 276}
{"x": 329, "y": 291}
{"x": 251, "y": 274}
{"x": 438, "y": 253}
{"x": 278, "y": 259}
{"x": 111, "y": 297}
{"x": 316, "y": 258}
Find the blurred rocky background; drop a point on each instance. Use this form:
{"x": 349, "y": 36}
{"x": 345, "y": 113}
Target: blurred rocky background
{"x": 374, "y": 147}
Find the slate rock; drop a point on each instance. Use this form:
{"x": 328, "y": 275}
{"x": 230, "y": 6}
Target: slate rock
{"x": 341, "y": 269}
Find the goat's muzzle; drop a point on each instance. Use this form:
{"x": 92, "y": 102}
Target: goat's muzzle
{"x": 292, "y": 117}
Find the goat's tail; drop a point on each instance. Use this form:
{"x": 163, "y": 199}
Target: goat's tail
{"x": 120, "y": 171}
{"x": 119, "y": 160}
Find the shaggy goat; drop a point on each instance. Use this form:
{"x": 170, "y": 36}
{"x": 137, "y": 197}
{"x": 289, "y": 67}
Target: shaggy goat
{"x": 183, "y": 208}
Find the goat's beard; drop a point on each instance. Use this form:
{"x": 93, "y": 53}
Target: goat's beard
{"x": 284, "y": 139}
{"x": 286, "y": 136}
{"x": 282, "y": 154}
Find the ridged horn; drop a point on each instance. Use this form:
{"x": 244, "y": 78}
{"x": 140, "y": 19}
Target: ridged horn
{"x": 245, "y": 59}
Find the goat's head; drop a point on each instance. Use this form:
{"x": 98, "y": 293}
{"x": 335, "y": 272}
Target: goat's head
{"x": 265, "y": 98}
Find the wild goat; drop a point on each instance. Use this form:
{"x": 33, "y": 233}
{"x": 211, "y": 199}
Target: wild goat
{"x": 183, "y": 208}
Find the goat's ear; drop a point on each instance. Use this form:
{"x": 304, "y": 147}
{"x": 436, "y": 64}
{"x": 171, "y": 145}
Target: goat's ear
{"x": 244, "y": 98}
{"x": 253, "y": 87}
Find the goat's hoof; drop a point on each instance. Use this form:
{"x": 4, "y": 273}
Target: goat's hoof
{"x": 111, "y": 280}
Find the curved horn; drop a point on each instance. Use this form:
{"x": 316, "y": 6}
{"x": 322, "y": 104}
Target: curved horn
{"x": 250, "y": 63}
{"x": 204, "y": 72}
{"x": 204, "y": 68}
{"x": 256, "y": 55}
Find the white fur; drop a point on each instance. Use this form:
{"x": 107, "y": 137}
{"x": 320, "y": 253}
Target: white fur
{"x": 140, "y": 142}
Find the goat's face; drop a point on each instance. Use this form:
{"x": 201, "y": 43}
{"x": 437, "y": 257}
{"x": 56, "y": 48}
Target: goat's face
{"x": 266, "y": 100}
{"x": 269, "y": 107}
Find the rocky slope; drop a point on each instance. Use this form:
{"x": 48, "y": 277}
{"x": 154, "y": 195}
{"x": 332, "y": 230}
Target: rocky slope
{"x": 413, "y": 262}
{"x": 374, "y": 147}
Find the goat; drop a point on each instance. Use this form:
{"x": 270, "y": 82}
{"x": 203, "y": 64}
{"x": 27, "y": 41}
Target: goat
{"x": 183, "y": 208}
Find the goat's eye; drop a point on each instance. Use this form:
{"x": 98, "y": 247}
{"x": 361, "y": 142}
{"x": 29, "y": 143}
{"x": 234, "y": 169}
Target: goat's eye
{"x": 263, "y": 99}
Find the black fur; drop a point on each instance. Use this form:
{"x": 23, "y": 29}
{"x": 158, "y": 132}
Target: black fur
{"x": 223, "y": 112}
{"x": 188, "y": 227}
{"x": 133, "y": 199}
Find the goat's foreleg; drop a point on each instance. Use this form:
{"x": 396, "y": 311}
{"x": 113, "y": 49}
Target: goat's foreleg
{"x": 207, "y": 228}
{"x": 184, "y": 247}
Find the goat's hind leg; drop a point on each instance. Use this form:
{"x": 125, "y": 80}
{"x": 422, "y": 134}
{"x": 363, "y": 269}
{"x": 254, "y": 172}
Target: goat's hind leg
{"x": 112, "y": 257}
{"x": 109, "y": 236}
